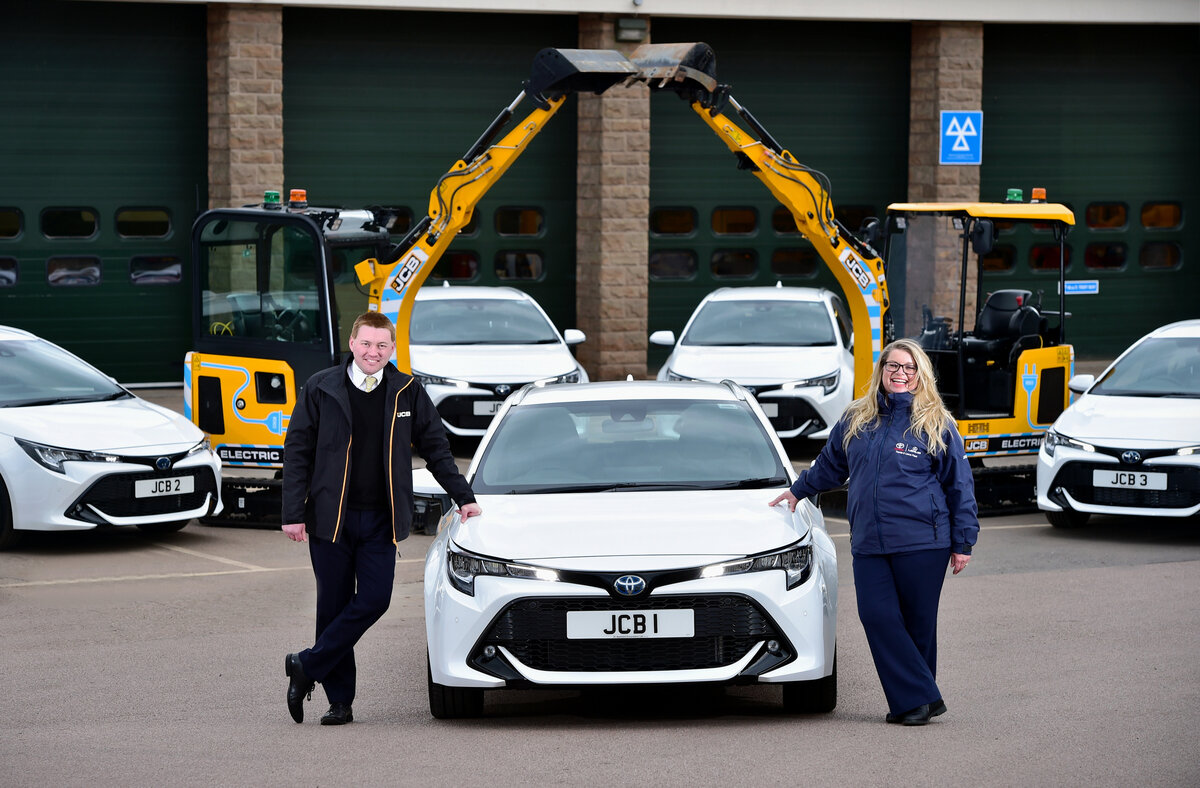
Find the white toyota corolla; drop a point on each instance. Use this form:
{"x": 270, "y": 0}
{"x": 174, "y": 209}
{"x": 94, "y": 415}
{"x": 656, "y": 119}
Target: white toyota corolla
{"x": 790, "y": 346}
{"x": 78, "y": 451}
{"x": 626, "y": 539}
{"x": 473, "y": 346}
{"x": 1131, "y": 444}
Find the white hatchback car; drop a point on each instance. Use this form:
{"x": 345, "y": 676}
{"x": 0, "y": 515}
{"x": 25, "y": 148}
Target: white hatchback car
{"x": 789, "y": 346}
{"x": 78, "y": 451}
{"x": 1131, "y": 444}
{"x": 626, "y": 539}
{"x": 473, "y": 346}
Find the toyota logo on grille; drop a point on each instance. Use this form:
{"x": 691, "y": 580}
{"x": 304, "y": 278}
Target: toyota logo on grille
{"x": 162, "y": 463}
{"x": 1131, "y": 457}
{"x": 629, "y": 585}
{"x": 503, "y": 389}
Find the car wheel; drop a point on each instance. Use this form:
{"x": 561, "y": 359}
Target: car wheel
{"x": 158, "y": 529}
{"x": 1067, "y": 518}
{"x": 9, "y": 536}
{"x": 812, "y": 697}
{"x": 452, "y": 703}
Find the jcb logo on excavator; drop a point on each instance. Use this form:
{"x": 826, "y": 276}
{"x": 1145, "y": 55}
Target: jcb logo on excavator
{"x": 408, "y": 269}
{"x": 856, "y": 269}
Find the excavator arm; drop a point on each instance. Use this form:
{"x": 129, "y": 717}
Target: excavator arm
{"x": 689, "y": 70}
{"x": 393, "y": 283}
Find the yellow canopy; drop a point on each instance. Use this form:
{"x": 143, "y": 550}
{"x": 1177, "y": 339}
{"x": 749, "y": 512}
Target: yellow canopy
{"x": 1013, "y": 211}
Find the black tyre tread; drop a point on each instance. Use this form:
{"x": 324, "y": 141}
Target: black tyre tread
{"x": 812, "y": 697}
{"x": 452, "y": 703}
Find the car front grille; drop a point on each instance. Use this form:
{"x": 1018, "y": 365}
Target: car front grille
{"x": 458, "y": 410}
{"x": 113, "y": 495}
{"x": 1183, "y": 486}
{"x": 535, "y": 631}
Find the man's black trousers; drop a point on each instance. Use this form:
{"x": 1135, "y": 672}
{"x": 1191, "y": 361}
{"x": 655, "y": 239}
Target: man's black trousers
{"x": 354, "y": 588}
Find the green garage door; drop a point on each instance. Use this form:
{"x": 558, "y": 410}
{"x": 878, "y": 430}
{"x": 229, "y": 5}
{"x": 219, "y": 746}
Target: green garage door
{"x": 378, "y": 105}
{"x": 102, "y": 166}
{"x": 1108, "y": 120}
{"x": 835, "y": 95}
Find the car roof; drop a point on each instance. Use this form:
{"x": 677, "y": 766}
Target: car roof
{"x": 769, "y": 294}
{"x": 11, "y": 332}
{"x": 1182, "y": 329}
{"x": 501, "y": 293}
{"x": 627, "y": 390}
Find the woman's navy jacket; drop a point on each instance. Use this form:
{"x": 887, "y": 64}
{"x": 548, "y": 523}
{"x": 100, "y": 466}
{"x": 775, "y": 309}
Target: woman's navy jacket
{"x": 900, "y": 497}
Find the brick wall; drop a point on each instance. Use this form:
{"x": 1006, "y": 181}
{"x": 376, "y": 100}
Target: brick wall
{"x": 612, "y": 206}
{"x": 946, "y": 74}
{"x": 245, "y": 102}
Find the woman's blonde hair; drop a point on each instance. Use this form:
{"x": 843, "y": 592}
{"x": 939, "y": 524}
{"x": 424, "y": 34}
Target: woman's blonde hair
{"x": 929, "y": 418}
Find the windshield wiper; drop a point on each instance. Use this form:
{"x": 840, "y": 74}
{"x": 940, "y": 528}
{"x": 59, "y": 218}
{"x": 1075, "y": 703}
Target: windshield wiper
{"x": 751, "y": 484}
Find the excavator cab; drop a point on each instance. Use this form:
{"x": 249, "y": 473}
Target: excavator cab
{"x": 1002, "y": 371}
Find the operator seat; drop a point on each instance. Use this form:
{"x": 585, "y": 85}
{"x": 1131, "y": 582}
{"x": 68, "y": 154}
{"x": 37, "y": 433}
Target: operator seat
{"x": 1004, "y": 325}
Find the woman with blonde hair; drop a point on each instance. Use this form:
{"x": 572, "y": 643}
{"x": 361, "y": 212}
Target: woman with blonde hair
{"x": 911, "y": 506}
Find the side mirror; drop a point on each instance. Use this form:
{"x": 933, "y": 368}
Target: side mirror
{"x": 573, "y": 336}
{"x": 983, "y": 236}
{"x": 666, "y": 338}
{"x": 1078, "y": 384}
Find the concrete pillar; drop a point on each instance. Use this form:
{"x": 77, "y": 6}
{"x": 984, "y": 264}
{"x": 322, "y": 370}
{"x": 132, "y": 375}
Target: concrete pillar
{"x": 612, "y": 209}
{"x": 245, "y": 102}
{"x": 946, "y": 74}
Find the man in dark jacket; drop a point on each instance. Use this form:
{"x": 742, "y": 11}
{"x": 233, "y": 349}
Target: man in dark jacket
{"x": 347, "y": 491}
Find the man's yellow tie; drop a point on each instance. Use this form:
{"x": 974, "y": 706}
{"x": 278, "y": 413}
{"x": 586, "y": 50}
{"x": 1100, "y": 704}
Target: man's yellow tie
{"x": 369, "y": 383}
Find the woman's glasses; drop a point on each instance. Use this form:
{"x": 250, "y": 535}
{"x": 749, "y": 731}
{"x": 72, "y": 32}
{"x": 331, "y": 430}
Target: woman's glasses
{"x": 892, "y": 366}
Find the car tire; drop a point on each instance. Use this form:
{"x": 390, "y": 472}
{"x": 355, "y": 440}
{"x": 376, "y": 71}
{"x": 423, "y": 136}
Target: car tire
{"x": 812, "y": 697}
{"x": 1067, "y": 518}
{"x": 452, "y": 703}
{"x": 159, "y": 529}
{"x": 9, "y": 536}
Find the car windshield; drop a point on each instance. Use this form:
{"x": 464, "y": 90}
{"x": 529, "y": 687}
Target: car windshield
{"x": 1158, "y": 367}
{"x": 479, "y": 321}
{"x": 629, "y": 445}
{"x": 34, "y": 372}
{"x": 778, "y": 323}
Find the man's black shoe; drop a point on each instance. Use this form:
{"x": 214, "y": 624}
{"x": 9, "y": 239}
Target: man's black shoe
{"x": 299, "y": 686}
{"x": 918, "y": 716}
{"x": 935, "y": 708}
{"x": 338, "y": 714}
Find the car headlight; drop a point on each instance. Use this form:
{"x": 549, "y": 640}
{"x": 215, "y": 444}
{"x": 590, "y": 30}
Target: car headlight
{"x": 53, "y": 457}
{"x": 462, "y": 568}
{"x": 796, "y": 563}
{"x": 672, "y": 375}
{"x": 204, "y": 445}
{"x": 1053, "y": 440}
{"x": 827, "y": 383}
{"x": 434, "y": 380}
{"x": 570, "y": 377}
{"x": 1187, "y": 451}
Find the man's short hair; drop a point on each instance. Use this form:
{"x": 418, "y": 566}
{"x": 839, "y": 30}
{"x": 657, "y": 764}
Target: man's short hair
{"x": 373, "y": 320}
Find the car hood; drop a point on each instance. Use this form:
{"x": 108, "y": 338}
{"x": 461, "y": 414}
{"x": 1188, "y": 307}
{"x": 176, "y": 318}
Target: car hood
{"x": 755, "y": 365}
{"x": 672, "y": 528}
{"x": 492, "y": 363}
{"x": 1133, "y": 422}
{"x": 131, "y": 426}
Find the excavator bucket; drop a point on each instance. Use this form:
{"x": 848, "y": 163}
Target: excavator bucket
{"x": 687, "y": 69}
{"x": 557, "y": 72}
